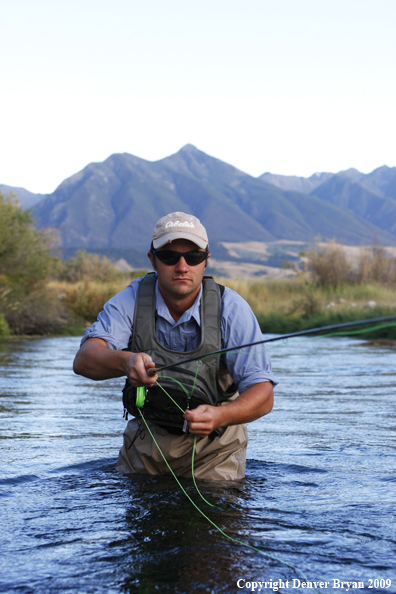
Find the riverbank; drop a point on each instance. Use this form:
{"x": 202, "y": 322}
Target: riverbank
{"x": 281, "y": 306}
{"x": 291, "y": 305}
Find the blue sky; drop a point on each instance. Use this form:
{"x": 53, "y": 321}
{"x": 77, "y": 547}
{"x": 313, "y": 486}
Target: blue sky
{"x": 287, "y": 86}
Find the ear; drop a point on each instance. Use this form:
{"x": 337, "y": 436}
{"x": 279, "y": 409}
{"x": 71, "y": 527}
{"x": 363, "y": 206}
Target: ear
{"x": 206, "y": 261}
{"x": 152, "y": 260}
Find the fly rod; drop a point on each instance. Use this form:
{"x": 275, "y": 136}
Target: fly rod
{"x": 152, "y": 371}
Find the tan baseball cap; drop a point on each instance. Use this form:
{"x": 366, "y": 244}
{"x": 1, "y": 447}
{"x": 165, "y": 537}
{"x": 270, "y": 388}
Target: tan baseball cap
{"x": 179, "y": 225}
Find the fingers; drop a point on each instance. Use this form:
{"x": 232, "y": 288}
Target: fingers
{"x": 138, "y": 366}
{"x": 203, "y": 420}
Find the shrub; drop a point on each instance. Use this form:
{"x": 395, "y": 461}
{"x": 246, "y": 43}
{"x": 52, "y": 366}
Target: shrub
{"x": 329, "y": 266}
{"x": 375, "y": 265}
{"x": 4, "y": 327}
{"x": 85, "y": 299}
{"x": 38, "y": 313}
{"x": 25, "y": 262}
{"x": 24, "y": 255}
{"x": 308, "y": 303}
{"x": 88, "y": 267}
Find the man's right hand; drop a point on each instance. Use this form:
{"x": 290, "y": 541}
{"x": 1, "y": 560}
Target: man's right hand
{"x": 136, "y": 367}
{"x": 97, "y": 361}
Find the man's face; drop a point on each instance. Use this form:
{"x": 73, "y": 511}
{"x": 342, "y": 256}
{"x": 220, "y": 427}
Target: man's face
{"x": 180, "y": 280}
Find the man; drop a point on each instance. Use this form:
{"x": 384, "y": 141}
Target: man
{"x": 161, "y": 319}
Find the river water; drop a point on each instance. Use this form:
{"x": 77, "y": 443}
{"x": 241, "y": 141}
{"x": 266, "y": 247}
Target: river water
{"x": 319, "y": 492}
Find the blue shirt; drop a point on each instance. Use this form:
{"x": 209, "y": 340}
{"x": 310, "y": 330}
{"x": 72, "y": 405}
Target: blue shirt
{"x": 238, "y": 326}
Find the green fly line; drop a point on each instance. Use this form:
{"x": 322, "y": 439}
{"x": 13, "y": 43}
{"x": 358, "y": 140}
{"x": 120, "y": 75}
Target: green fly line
{"x": 140, "y": 396}
{"x": 140, "y": 399}
{"x": 241, "y": 542}
{"x": 272, "y": 345}
{"x": 361, "y": 331}
{"x": 195, "y": 440}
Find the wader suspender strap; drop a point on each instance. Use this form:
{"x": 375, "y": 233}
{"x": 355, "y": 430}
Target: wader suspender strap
{"x": 144, "y": 338}
{"x": 189, "y": 385}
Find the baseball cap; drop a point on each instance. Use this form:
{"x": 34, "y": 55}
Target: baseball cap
{"x": 179, "y": 225}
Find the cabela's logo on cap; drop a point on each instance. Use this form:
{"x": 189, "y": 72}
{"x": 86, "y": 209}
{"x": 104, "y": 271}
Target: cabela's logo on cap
{"x": 179, "y": 224}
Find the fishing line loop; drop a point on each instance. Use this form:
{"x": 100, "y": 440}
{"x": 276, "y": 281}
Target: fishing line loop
{"x": 241, "y": 542}
{"x": 140, "y": 398}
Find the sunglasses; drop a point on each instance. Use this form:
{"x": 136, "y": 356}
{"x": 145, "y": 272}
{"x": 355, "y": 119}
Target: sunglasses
{"x": 170, "y": 258}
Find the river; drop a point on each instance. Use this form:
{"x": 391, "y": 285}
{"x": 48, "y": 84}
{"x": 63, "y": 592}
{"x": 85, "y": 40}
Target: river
{"x": 319, "y": 493}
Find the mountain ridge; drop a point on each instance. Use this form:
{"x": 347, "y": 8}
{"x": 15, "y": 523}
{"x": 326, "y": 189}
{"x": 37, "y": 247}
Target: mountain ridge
{"x": 114, "y": 204}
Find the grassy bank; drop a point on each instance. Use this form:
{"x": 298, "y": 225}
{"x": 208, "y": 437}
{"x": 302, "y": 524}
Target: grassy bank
{"x": 286, "y": 306}
{"x": 281, "y": 306}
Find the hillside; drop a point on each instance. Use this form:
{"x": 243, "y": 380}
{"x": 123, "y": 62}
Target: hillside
{"x": 27, "y": 199}
{"x": 371, "y": 196}
{"x": 112, "y": 206}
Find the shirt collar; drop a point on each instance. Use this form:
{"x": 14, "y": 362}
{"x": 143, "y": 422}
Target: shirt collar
{"x": 193, "y": 312}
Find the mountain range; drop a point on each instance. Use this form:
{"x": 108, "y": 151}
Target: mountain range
{"x": 111, "y": 207}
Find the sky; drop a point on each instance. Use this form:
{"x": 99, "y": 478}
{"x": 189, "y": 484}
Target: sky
{"x": 287, "y": 86}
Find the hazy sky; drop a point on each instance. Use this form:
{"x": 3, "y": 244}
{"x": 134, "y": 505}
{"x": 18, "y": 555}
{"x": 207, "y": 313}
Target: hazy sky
{"x": 287, "y": 86}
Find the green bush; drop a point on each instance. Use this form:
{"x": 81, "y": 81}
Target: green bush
{"x": 25, "y": 261}
{"x": 4, "y": 327}
{"x": 24, "y": 255}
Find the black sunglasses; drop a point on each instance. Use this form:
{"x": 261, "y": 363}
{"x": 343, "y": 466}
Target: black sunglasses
{"x": 170, "y": 258}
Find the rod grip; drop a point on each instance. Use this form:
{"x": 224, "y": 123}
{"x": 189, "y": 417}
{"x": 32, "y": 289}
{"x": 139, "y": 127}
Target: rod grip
{"x": 151, "y": 371}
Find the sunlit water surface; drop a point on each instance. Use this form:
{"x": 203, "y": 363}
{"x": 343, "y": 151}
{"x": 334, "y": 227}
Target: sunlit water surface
{"x": 319, "y": 492}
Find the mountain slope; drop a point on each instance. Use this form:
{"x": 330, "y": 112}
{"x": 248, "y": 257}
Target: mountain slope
{"x": 358, "y": 199}
{"x": 112, "y": 206}
{"x": 382, "y": 181}
{"x": 116, "y": 204}
{"x": 26, "y": 199}
{"x": 296, "y": 183}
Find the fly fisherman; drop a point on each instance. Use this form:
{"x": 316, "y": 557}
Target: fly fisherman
{"x": 170, "y": 315}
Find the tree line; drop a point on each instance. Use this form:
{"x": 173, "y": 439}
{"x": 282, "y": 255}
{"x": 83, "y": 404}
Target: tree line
{"x": 28, "y": 303}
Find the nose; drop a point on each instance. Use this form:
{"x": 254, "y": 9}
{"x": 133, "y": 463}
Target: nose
{"x": 181, "y": 266}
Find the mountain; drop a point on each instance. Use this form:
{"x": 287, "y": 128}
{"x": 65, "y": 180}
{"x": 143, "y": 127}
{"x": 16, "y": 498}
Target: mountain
{"x": 116, "y": 203}
{"x": 382, "y": 181}
{"x": 371, "y": 196}
{"x": 357, "y": 198}
{"x": 26, "y": 199}
{"x": 293, "y": 182}
{"x": 111, "y": 207}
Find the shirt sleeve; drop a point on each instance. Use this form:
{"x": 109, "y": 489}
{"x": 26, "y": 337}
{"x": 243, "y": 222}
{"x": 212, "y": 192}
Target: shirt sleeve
{"x": 239, "y": 326}
{"x": 115, "y": 322}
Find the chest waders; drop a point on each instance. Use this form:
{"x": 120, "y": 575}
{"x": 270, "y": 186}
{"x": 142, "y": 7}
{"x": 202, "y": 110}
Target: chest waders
{"x": 195, "y": 384}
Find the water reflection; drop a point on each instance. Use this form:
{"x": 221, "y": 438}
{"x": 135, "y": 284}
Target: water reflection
{"x": 176, "y": 548}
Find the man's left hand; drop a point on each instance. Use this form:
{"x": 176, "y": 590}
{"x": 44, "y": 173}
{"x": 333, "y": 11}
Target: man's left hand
{"x": 203, "y": 420}
{"x": 248, "y": 406}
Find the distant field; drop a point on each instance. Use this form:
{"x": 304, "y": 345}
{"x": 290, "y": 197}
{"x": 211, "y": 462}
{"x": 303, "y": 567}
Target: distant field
{"x": 258, "y": 259}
